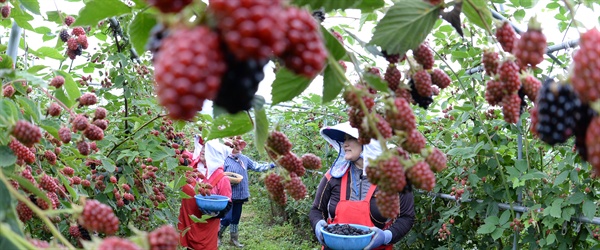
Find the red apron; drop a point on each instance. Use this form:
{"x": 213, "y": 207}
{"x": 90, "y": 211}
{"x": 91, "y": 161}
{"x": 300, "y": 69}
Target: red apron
{"x": 355, "y": 212}
{"x": 198, "y": 235}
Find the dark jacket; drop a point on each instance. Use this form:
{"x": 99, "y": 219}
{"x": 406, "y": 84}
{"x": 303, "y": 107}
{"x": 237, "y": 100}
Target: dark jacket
{"x": 328, "y": 195}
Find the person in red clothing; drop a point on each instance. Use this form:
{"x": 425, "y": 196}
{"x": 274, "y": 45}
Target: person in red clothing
{"x": 210, "y": 163}
{"x": 345, "y": 195}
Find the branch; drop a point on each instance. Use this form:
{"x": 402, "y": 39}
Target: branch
{"x": 58, "y": 101}
{"x": 132, "y": 134}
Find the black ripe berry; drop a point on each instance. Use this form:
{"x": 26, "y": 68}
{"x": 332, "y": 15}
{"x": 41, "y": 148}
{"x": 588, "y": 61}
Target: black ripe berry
{"x": 422, "y": 101}
{"x": 557, "y": 112}
{"x": 583, "y": 118}
{"x": 345, "y": 229}
{"x": 239, "y": 83}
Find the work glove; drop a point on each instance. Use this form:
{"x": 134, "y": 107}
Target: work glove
{"x": 209, "y": 213}
{"x": 318, "y": 233}
{"x": 381, "y": 237}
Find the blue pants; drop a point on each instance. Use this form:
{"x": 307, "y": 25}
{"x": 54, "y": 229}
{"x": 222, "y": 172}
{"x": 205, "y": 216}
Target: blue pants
{"x": 234, "y": 215}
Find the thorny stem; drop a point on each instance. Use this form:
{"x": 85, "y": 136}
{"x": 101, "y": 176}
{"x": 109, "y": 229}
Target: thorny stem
{"x": 132, "y": 134}
{"x": 487, "y": 134}
{"x": 35, "y": 210}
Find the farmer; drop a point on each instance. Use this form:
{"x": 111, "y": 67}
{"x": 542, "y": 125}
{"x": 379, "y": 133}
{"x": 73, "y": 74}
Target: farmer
{"x": 209, "y": 163}
{"x": 238, "y": 163}
{"x": 345, "y": 195}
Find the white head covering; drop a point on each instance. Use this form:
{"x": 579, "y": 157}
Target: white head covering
{"x": 335, "y": 136}
{"x": 197, "y": 147}
{"x": 215, "y": 155}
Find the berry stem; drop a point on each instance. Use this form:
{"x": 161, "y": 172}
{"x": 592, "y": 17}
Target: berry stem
{"x": 16, "y": 239}
{"x": 58, "y": 101}
{"x": 486, "y": 132}
{"x": 35, "y": 210}
{"x": 132, "y": 134}
{"x": 569, "y": 6}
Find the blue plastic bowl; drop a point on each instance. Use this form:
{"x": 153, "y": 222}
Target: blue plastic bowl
{"x": 212, "y": 203}
{"x": 347, "y": 242}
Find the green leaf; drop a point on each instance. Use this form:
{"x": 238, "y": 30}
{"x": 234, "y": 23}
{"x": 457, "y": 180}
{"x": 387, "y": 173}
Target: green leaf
{"x": 486, "y": 228}
{"x": 405, "y": 26}
{"x": 67, "y": 184}
{"x": 200, "y": 220}
{"x": 261, "y": 130}
{"x": 31, "y": 5}
{"x": 475, "y": 10}
{"x": 561, "y": 178}
{"x": 521, "y": 165}
{"x": 7, "y": 62}
{"x": 376, "y": 82}
{"x": 8, "y": 110}
{"x": 370, "y": 5}
{"x": 108, "y": 165}
{"x": 22, "y": 18}
{"x": 50, "y": 126}
{"x": 333, "y": 80}
{"x": 528, "y": 3}
{"x": 329, "y": 5}
{"x": 335, "y": 48}
{"x": 97, "y": 10}
{"x": 139, "y": 30}
{"x": 287, "y": 85}
{"x": 589, "y": 208}
{"x": 44, "y": 52}
{"x": 555, "y": 209}
{"x": 7, "y": 158}
{"x": 27, "y": 185}
{"x": 492, "y": 220}
{"x": 62, "y": 96}
{"x": 229, "y": 125}
{"x": 550, "y": 239}
{"x": 504, "y": 217}
{"x": 70, "y": 86}
{"x": 30, "y": 108}
{"x": 497, "y": 233}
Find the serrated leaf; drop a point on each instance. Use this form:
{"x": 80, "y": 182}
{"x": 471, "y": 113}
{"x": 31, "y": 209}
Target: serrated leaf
{"x": 486, "y": 228}
{"x": 7, "y": 158}
{"x": 230, "y": 125}
{"x": 50, "y": 126}
{"x": 589, "y": 208}
{"x": 108, "y": 165}
{"x": 376, "y": 82}
{"x": 370, "y": 5}
{"x": 453, "y": 17}
{"x": 97, "y": 10}
{"x": 62, "y": 96}
{"x": 139, "y": 30}
{"x": 561, "y": 178}
{"x": 333, "y": 45}
{"x": 70, "y": 86}
{"x": 8, "y": 110}
{"x": 475, "y": 10}
{"x": 30, "y": 108}
{"x": 504, "y": 217}
{"x": 261, "y": 129}
{"x": 327, "y": 5}
{"x": 550, "y": 239}
{"x": 521, "y": 165}
{"x": 333, "y": 81}
{"x": 287, "y": 85}
{"x": 555, "y": 209}
{"x": 370, "y": 48}
{"x": 22, "y": 18}
{"x": 44, "y": 52}
{"x": 31, "y": 5}
{"x": 7, "y": 62}
{"x": 497, "y": 233}
{"x": 576, "y": 198}
{"x": 405, "y": 26}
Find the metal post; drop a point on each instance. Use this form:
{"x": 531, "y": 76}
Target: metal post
{"x": 520, "y": 190}
{"x": 13, "y": 43}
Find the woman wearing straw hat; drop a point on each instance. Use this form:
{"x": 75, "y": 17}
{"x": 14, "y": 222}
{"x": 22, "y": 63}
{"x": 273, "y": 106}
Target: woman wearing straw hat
{"x": 346, "y": 196}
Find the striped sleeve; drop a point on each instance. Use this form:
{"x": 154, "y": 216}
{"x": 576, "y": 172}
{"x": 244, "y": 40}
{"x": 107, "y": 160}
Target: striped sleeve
{"x": 258, "y": 167}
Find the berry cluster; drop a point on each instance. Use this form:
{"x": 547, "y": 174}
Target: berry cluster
{"x": 98, "y": 217}
{"x": 163, "y": 238}
{"x": 203, "y": 188}
{"x": 232, "y": 56}
{"x": 443, "y": 233}
{"x": 76, "y": 41}
{"x": 586, "y": 66}
{"x": 275, "y": 186}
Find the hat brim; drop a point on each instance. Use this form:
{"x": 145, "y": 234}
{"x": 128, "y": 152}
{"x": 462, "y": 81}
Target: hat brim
{"x": 335, "y": 134}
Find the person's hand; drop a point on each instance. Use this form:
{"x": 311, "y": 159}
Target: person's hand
{"x": 272, "y": 165}
{"x": 209, "y": 213}
{"x": 318, "y": 233}
{"x": 381, "y": 237}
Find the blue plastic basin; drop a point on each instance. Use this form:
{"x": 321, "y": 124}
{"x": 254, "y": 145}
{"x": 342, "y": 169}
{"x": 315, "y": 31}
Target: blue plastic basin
{"x": 347, "y": 242}
{"x": 212, "y": 203}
